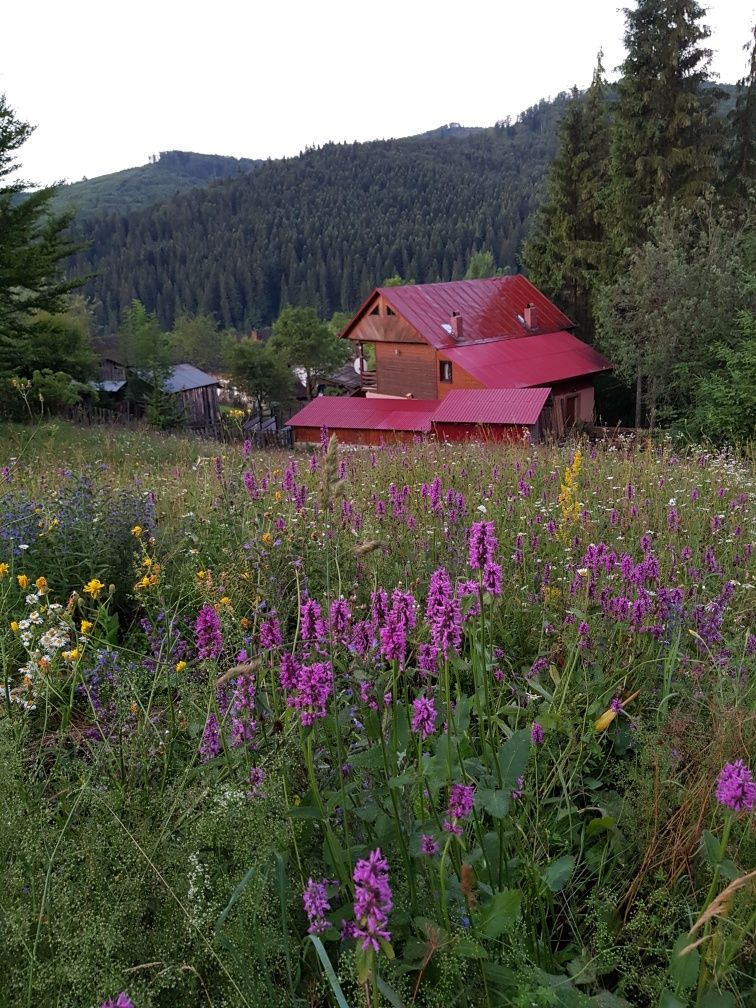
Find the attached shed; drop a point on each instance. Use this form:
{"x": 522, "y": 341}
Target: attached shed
{"x": 196, "y": 393}
{"x": 492, "y": 415}
{"x": 363, "y": 421}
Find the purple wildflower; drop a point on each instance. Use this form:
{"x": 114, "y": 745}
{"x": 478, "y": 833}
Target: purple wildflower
{"x": 243, "y": 724}
{"x": 394, "y": 638}
{"x": 538, "y": 666}
{"x": 536, "y": 734}
{"x": 482, "y": 544}
{"x": 270, "y": 633}
{"x": 736, "y": 788}
{"x": 428, "y": 845}
{"x": 424, "y": 716}
{"x": 460, "y": 806}
{"x": 517, "y": 790}
{"x": 372, "y": 901}
{"x": 207, "y": 632}
{"x": 492, "y": 578}
{"x": 289, "y": 671}
{"x": 255, "y": 782}
{"x": 210, "y": 744}
{"x": 427, "y": 655}
{"x": 444, "y": 614}
{"x": 616, "y": 705}
{"x": 313, "y": 625}
{"x": 315, "y": 900}
{"x": 122, "y": 1001}
{"x": 313, "y": 688}
{"x": 339, "y": 616}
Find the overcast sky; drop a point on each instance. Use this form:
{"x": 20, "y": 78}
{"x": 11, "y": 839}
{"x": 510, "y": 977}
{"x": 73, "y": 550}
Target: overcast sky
{"x": 108, "y": 84}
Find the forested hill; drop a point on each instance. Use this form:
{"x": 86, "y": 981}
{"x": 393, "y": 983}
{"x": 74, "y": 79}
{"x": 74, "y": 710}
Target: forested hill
{"x": 325, "y": 227}
{"x": 162, "y": 177}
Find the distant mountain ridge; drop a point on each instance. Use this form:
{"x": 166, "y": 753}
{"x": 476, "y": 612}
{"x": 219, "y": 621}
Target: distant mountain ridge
{"x": 164, "y": 176}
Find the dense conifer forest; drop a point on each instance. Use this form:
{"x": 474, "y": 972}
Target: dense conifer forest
{"x": 322, "y": 229}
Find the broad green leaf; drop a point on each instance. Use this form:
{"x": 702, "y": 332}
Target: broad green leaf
{"x": 605, "y": 999}
{"x": 513, "y": 758}
{"x": 468, "y": 949}
{"x": 389, "y": 993}
{"x": 363, "y": 961}
{"x": 599, "y": 825}
{"x": 496, "y": 803}
{"x": 729, "y": 870}
{"x": 304, "y": 812}
{"x": 558, "y": 873}
{"x": 684, "y": 968}
{"x": 668, "y": 1000}
{"x": 711, "y": 847}
{"x": 717, "y": 999}
{"x": 501, "y": 913}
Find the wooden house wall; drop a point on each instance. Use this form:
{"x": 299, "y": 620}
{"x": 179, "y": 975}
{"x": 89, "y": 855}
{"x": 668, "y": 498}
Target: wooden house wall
{"x": 480, "y": 432}
{"x": 404, "y": 369}
{"x": 460, "y": 379}
{"x": 199, "y": 405}
{"x": 384, "y": 328}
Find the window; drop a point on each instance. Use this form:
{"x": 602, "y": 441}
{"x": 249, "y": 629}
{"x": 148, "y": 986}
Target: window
{"x": 444, "y": 371}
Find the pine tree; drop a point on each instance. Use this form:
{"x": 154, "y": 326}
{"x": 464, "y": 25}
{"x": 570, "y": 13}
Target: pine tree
{"x": 740, "y": 170}
{"x": 667, "y": 140}
{"x": 566, "y": 252}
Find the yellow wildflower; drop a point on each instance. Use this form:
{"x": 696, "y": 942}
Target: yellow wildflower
{"x": 277, "y": 496}
{"x": 41, "y": 584}
{"x": 147, "y": 562}
{"x": 133, "y": 707}
{"x": 180, "y": 666}
{"x": 201, "y": 574}
{"x": 267, "y": 537}
{"x": 73, "y": 655}
{"x": 4, "y": 568}
{"x": 244, "y": 623}
{"x": 14, "y": 626}
{"x": 86, "y": 626}
{"x": 143, "y": 582}
{"x": 23, "y": 580}
{"x": 93, "y": 587}
{"x": 136, "y": 531}
{"x": 225, "y": 601}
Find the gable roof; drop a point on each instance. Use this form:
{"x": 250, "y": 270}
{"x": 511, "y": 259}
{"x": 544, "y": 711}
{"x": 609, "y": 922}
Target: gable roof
{"x": 366, "y": 414}
{"x": 520, "y": 407}
{"x": 491, "y": 309}
{"x": 186, "y": 376}
{"x": 528, "y": 361}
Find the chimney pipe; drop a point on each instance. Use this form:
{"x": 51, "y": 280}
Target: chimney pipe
{"x": 456, "y": 325}
{"x": 530, "y": 316}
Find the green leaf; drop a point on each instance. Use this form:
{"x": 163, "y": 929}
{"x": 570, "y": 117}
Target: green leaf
{"x": 684, "y": 968}
{"x": 668, "y": 1000}
{"x": 711, "y": 847}
{"x": 468, "y": 949}
{"x": 329, "y": 972}
{"x": 501, "y": 913}
{"x": 495, "y": 802}
{"x": 363, "y": 960}
{"x": 729, "y": 870}
{"x": 408, "y": 777}
{"x": 389, "y": 993}
{"x": 558, "y": 873}
{"x": 513, "y": 758}
{"x": 605, "y": 999}
{"x": 234, "y": 897}
{"x": 717, "y": 999}
{"x": 304, "y": 812}
{"x": 599, "y": 825}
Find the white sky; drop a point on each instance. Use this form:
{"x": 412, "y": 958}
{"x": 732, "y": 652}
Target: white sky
{"x": 108, "y": 84}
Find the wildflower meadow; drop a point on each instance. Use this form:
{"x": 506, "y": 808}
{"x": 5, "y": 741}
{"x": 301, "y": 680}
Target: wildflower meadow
{"x": 421, "y": 725}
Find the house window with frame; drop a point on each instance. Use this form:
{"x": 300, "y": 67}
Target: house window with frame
{"x": 444, "y": 371}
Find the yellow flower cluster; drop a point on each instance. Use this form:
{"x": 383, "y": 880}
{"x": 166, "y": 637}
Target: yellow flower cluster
{"x": 93, "y": 588}
{"x": 4, "y": 568}
{"x": 569, "y": 503}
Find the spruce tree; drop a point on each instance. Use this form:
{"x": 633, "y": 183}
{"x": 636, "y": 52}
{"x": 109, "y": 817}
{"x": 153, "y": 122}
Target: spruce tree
{"x": 565, "y": 254}
{"x": 33, "y": 246}
{"x": 740, "y": 168}
{"x": 667, "y": 139}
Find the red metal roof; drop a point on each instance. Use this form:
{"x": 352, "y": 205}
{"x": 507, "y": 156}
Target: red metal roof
{"x": 529, "y": 361}
{"x": 492, "y": 406}
{"x": 366, "y": 414}
{"x": 490, "y": 309}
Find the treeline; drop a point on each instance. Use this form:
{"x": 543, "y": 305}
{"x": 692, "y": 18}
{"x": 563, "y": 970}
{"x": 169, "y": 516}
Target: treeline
{"x": 645, "y": 237}
{"x": 322, "y": 229}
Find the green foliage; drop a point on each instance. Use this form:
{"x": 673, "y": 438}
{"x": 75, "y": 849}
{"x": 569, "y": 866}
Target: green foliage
{"x": 34, "y": 245}
{"x": 481, "y": 264}
{"x": 303, "y": 341}
{"x": 678, "y": 298}
{"x": 725, "y": 406}
{"x": 165, "y": 175}
{"x": 196, "y": 340}
{"x": 260, "y": 371}
{"x": 667, "y": 140}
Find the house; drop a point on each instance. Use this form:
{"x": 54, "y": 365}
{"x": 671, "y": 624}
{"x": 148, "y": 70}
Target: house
{"x": 494, "y": 335}
{"x": 194, "y": 393}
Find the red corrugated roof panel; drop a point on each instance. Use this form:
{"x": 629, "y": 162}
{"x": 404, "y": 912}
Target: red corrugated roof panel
{"x": 366, "y": 414}
{"x": 520, "y": 407}
{"x": 529, "y": 361}
{"x": 490, "y": 309}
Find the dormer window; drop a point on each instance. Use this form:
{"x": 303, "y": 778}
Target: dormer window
{"x": 444, "y": 371}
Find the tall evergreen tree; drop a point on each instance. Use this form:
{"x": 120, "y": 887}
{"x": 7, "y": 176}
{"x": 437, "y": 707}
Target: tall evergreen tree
{"x": 33, "y": 247}
{"x": 741, "y": 156}
{"x": 566, "y": 252}
{"x": 667, "y": 139}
